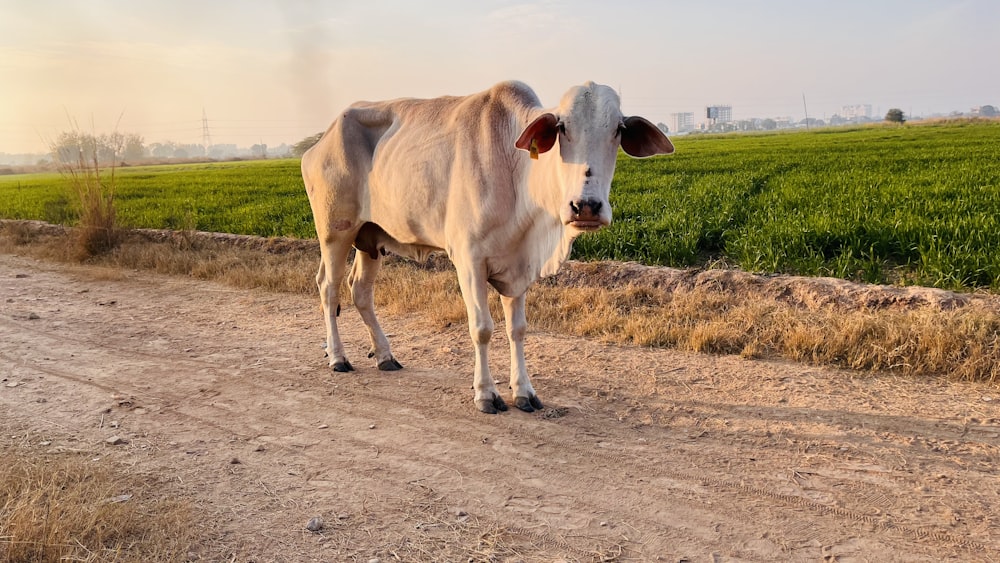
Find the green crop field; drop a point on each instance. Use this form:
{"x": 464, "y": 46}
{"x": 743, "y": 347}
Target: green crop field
{"x": 917, "y": 204}
{"x": 263, "y": 198}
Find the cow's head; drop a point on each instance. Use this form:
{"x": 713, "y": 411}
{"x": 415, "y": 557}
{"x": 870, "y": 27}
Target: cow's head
{"x": 589, "y": 127}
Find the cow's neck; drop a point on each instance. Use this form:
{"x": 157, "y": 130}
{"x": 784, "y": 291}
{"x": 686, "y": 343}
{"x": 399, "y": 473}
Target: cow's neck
{"x": 543, "y": 184}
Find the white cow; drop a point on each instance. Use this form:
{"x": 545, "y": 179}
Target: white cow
{"x": 473, "y": 176}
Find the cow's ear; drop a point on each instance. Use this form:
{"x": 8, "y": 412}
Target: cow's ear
{"x": 640, "y": 138}
{"x": 540, "y": 135}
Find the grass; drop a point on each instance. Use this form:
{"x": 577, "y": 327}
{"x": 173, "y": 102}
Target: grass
{"x": 263, "y": 198}
{"x": 918, "y": 342}
{"x": 57, "y": 507}
{"x": 92, "y": 190}
{"x": 913, "y": 205}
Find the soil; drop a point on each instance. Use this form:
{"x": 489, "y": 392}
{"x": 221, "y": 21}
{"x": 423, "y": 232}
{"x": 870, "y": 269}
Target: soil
{"x": 223, "y": 397}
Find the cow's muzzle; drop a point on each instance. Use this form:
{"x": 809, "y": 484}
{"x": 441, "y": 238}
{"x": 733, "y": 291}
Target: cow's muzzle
{"x": 585, "y": 215}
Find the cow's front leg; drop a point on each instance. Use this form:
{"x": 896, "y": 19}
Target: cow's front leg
{"x": 481, "y": 329}
{"x": 524, "y": 394}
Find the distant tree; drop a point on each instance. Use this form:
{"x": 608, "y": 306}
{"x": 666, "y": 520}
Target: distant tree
{"x": 895, "y": 115}
{"x": 768, "y": 124}
{"x": 163, "y": 150}
{"x": 988, "y": 111}
{"x": 663, "y": 127}
{"x": 108, "y": 148}
{"x": 300, "y": 148}
{"x": 259, "y": 151}
{"x": 70, "y": 147}
{"x": 222, "y": 151}
{"x": 134, "y": 147}
{"x": 191, "y": 150}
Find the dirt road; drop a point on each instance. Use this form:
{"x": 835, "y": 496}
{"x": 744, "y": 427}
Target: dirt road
{"x": 640, "y": 455}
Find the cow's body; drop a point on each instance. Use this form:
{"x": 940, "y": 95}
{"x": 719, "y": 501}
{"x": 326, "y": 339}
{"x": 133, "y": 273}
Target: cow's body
{"x": 413, "y": 176}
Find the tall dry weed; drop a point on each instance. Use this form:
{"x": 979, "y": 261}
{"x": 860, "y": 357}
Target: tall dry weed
{"x": 91, "y": 191}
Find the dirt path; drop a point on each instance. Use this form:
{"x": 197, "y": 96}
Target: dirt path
{"x": 641, "y": 455}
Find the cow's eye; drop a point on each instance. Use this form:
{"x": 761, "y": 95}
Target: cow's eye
{"x": 562, "y": 127}
{"x": 618, "y": 131}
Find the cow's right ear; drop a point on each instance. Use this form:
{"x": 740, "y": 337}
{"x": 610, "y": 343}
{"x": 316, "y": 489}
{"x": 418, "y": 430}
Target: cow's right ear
{"x": 540, "y": 135}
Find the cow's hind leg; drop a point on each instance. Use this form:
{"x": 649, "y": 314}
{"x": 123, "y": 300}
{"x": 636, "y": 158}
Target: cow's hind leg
{"x": 362, "y": 282}
{"x": 331, "y": 273}
{"x": 524, "y": 394}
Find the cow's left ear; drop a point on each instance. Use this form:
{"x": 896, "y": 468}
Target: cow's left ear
{"x": 540, "y": 135}
{"x": 640, "y": 138}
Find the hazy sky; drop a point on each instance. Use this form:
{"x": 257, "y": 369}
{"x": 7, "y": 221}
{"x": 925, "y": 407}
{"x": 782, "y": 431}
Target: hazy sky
{"x": 278, "y": 71}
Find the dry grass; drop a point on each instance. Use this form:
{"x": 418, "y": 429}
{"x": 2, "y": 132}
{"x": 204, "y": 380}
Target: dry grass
{"x": 244, "y": 262}
{"x": 960, "y": 343}
{"x": 92, "y": 191}
{"x": 64, "y": 507}
{"x": 924, "y": 333}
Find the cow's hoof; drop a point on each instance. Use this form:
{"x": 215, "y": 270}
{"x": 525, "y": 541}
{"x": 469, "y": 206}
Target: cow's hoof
{"x": 491, "y": 407}
{"x": 528, "y": 404}
{"x": 342, "y": 367}
{"x": 390, "y": 365}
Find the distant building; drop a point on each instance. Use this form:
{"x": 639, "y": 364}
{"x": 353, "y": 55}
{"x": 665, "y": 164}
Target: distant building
{"x": 681, "y": 122}
{"x": 857, "y": 112}
{"x": 985, "y": 111}
{"x": 719, "y": 114}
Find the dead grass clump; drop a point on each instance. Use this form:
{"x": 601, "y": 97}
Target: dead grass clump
{"x": 56, "y": 508}
{"x": 92, "y": 190}
{"x": 36, "y": 238}
{"x": 403, "y": 287}
{"x": 16, "y": 233}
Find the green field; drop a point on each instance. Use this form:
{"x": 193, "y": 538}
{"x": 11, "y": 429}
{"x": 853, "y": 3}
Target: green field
{"x": 917, "y": 204}
{"x": 263, "y": 198}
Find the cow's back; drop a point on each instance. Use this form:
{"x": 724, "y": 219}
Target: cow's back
{"x": 446, "y": 161}
{"x": 410, "y": 164}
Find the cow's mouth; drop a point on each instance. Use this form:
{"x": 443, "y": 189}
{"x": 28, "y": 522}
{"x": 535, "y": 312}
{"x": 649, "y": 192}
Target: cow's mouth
{"x": 586, "y": 225}
{"x": 585, "y": 215}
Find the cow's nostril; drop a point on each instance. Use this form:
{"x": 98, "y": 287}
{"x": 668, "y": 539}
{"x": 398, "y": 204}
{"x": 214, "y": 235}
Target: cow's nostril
{"x": 585, "y": 209}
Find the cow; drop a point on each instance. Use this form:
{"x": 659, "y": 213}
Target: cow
{"x": 500, "y": 184}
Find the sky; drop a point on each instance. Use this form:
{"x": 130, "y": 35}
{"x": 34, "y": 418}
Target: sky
{"x": 278, "y": 71}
